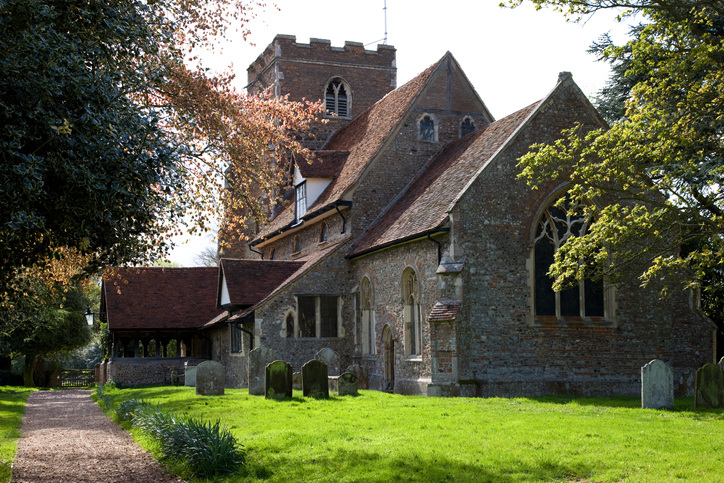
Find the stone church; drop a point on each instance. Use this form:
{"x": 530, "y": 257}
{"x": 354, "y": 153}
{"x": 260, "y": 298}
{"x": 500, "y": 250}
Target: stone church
{"x": 411, "y": 248}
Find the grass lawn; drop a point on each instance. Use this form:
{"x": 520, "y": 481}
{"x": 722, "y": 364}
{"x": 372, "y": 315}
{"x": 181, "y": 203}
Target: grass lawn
{"x": 379, "y": 437}
{"x": 12, "y": 409}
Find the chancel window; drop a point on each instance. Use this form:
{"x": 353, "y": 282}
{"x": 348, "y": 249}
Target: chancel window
{"x": 411, "y": 309}
{"x": 318, "y": 315}
{"x": 336, "y": 98}
{"x": 555, "y": 227}
{"x": 467, "y": 127}
{"x": 427, "y": 128}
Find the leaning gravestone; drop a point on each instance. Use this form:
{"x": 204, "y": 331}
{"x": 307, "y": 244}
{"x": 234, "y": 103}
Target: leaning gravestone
{"x": 278, "y": 380}
{"x": 210, "y": 379}
{"x": 709, "y": 387}
{"x": 657, "y": 385}
{"x": 314, "y": 379}
{"x": 347, "y": 385}
{"x": 259, "y": 358}
{"x": 330, "y": 359}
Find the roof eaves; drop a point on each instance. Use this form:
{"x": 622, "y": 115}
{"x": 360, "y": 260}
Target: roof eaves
{"x": 399, "y": 241}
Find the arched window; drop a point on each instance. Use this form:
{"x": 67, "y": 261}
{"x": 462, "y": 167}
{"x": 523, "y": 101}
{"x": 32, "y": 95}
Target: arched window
{"x": 585, "y": 300}
{"x": 428, "y": 131}
{"x": 290, "y": 325}
{"x": 272, "y": 253}
{"x": 297, "y": 245}
{"x": 467, "y": 126}
{"x": 337, "y": 98}
{"x": 368, "y": 316}
{"x": 411, "y": 300}
{"x": 323, "y": 233}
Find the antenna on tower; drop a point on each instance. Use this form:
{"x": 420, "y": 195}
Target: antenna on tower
{"x": 385, "y": 9}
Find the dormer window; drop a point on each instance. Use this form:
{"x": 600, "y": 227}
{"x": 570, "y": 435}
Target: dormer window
{"x": 300, "y": 200}
{"x": 337, "y": 97}
{"x": 467, "y": 127}
{"x": 428, "y": 129}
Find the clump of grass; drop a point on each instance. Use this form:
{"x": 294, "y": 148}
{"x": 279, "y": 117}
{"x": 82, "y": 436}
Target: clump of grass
{"x": 12, "y": 410}
{"x": 201, "y": 448}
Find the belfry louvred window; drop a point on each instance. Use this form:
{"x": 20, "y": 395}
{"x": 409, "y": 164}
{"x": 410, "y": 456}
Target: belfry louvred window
{"x": 336, "y": 98}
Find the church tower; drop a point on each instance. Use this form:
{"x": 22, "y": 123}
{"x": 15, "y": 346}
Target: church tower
{"x": 347, "y": 79}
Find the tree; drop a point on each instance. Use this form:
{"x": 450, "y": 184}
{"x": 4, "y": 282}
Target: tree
{"x": 652, "y": 182}
{"x": 111, "y": 130}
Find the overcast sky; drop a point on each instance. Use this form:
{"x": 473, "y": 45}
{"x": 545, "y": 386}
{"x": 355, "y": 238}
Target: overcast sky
{"x": 511, "y": 56}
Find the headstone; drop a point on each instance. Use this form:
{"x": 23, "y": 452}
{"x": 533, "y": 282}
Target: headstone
{"x": 330, "y": 359}
{"x": 657, "y": 385}
{"x": 297, "y": 381}
{"x": 709, "y": 387}
{"x": 189, "y": 374}
{"x": 278, "y": 380}
{"x": 259, "y": 358}
{"x": 314, "y": 379}
{"x": 360, "y": 373}
{"x": 333, "y": 383}
{"x": 347, "y": 384}
{"x": 210, "y": 377}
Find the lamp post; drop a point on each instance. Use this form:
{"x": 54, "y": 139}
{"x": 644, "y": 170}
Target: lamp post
{"x": 89, "y": 316}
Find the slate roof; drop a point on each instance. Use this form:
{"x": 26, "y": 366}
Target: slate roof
{"x": 361, "y": 138}
{"x": 160, "y": 298}
{"x": 250, "y": 281}
{"x": 327, "y": 164}
{"x": 424, "y": 204}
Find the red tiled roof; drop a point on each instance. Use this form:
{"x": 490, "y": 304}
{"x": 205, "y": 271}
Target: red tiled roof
{"x": 326, "y": 165}
{"x": 424, "y": 204}
{"x": 160, "y": 298}
{"x": 250, "y": 281}
{"x": 362, "y": 138}
{"x": 443, "y": 311}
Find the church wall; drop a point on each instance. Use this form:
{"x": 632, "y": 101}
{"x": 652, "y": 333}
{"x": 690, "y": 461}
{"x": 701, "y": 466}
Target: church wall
{"x": 236, "y": 365}
{"x": 504, "y": 351}
{"x": 384, "y": 269}
{"x": 308, "y": 238}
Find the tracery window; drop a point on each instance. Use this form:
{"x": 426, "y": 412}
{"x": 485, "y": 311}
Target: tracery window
{"x": 336, "y": 98}
{"x": 555, "y": 227}
{"x": 368, "y": 316}
{"x": 412, "y": 319}
{"x": 467, "y": 126}
{"x": 427, "y": 128}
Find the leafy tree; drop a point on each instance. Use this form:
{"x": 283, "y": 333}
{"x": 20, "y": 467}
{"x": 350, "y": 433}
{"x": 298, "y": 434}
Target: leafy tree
{"x": 111, "y": 130}
{"x": 653, "y": 180}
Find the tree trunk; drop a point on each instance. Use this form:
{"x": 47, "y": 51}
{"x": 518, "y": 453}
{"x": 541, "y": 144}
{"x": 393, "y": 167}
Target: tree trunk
{"x": 29, "y": 370}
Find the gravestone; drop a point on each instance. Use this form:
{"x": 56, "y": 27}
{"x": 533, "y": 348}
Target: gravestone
{"x": 278, "y": 380}
{"x": 297, "y": 381}
{"x": 210, "y": 377}
{"x": 657, "y": 385}
{"x": 330, "y": 359}
{"x": 709, "y": 387}
{"x": 190, "y": 374}
{"x": 259, "y": 358}
{"x": 347, "y": 384}
{"x": 314, "y": 379}
{"x": 360, "y": 373}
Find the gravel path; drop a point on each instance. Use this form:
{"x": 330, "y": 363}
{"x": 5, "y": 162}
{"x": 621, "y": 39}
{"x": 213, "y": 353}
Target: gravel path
{"x": 67, "y": 438}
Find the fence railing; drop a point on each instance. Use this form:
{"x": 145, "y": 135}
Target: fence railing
{"x": 77, "y": 377}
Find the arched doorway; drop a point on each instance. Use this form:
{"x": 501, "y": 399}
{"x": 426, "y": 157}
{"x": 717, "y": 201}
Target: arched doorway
{"x": 388, "y": 344}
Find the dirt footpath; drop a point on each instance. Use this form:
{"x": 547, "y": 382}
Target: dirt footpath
{"x": 67, "y": 438}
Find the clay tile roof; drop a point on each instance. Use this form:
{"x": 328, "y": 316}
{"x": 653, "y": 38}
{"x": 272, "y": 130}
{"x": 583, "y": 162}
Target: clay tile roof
{"x": 423, "y": 205}
{"x": 327, "y": 164}
{"x": 443, "y": 311}
{"x": 361, "y": 138}
{"x": 160, "y": 298}
{"x": 250, "y": 281}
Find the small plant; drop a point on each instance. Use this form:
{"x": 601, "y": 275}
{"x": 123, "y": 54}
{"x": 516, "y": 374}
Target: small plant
{"x": 126, "y": 410}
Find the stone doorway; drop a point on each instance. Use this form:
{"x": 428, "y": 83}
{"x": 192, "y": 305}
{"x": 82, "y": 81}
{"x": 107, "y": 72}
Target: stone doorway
{"x": 388, "y": 344}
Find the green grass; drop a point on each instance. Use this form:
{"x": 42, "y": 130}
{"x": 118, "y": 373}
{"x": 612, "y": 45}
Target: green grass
{"x": 379, "y": 437}
{"x": 12, "y": 409}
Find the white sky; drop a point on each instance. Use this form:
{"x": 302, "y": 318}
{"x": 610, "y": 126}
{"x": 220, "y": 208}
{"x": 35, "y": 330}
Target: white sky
{"x": 511, "y": 56}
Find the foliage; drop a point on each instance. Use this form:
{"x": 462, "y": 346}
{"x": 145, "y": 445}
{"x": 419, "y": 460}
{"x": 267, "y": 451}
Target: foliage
{"x": 12, "y": 410}
{"x": 653, "y": 180}
{"x": 379, "y": 437}
{"x": 113, "y": 130}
